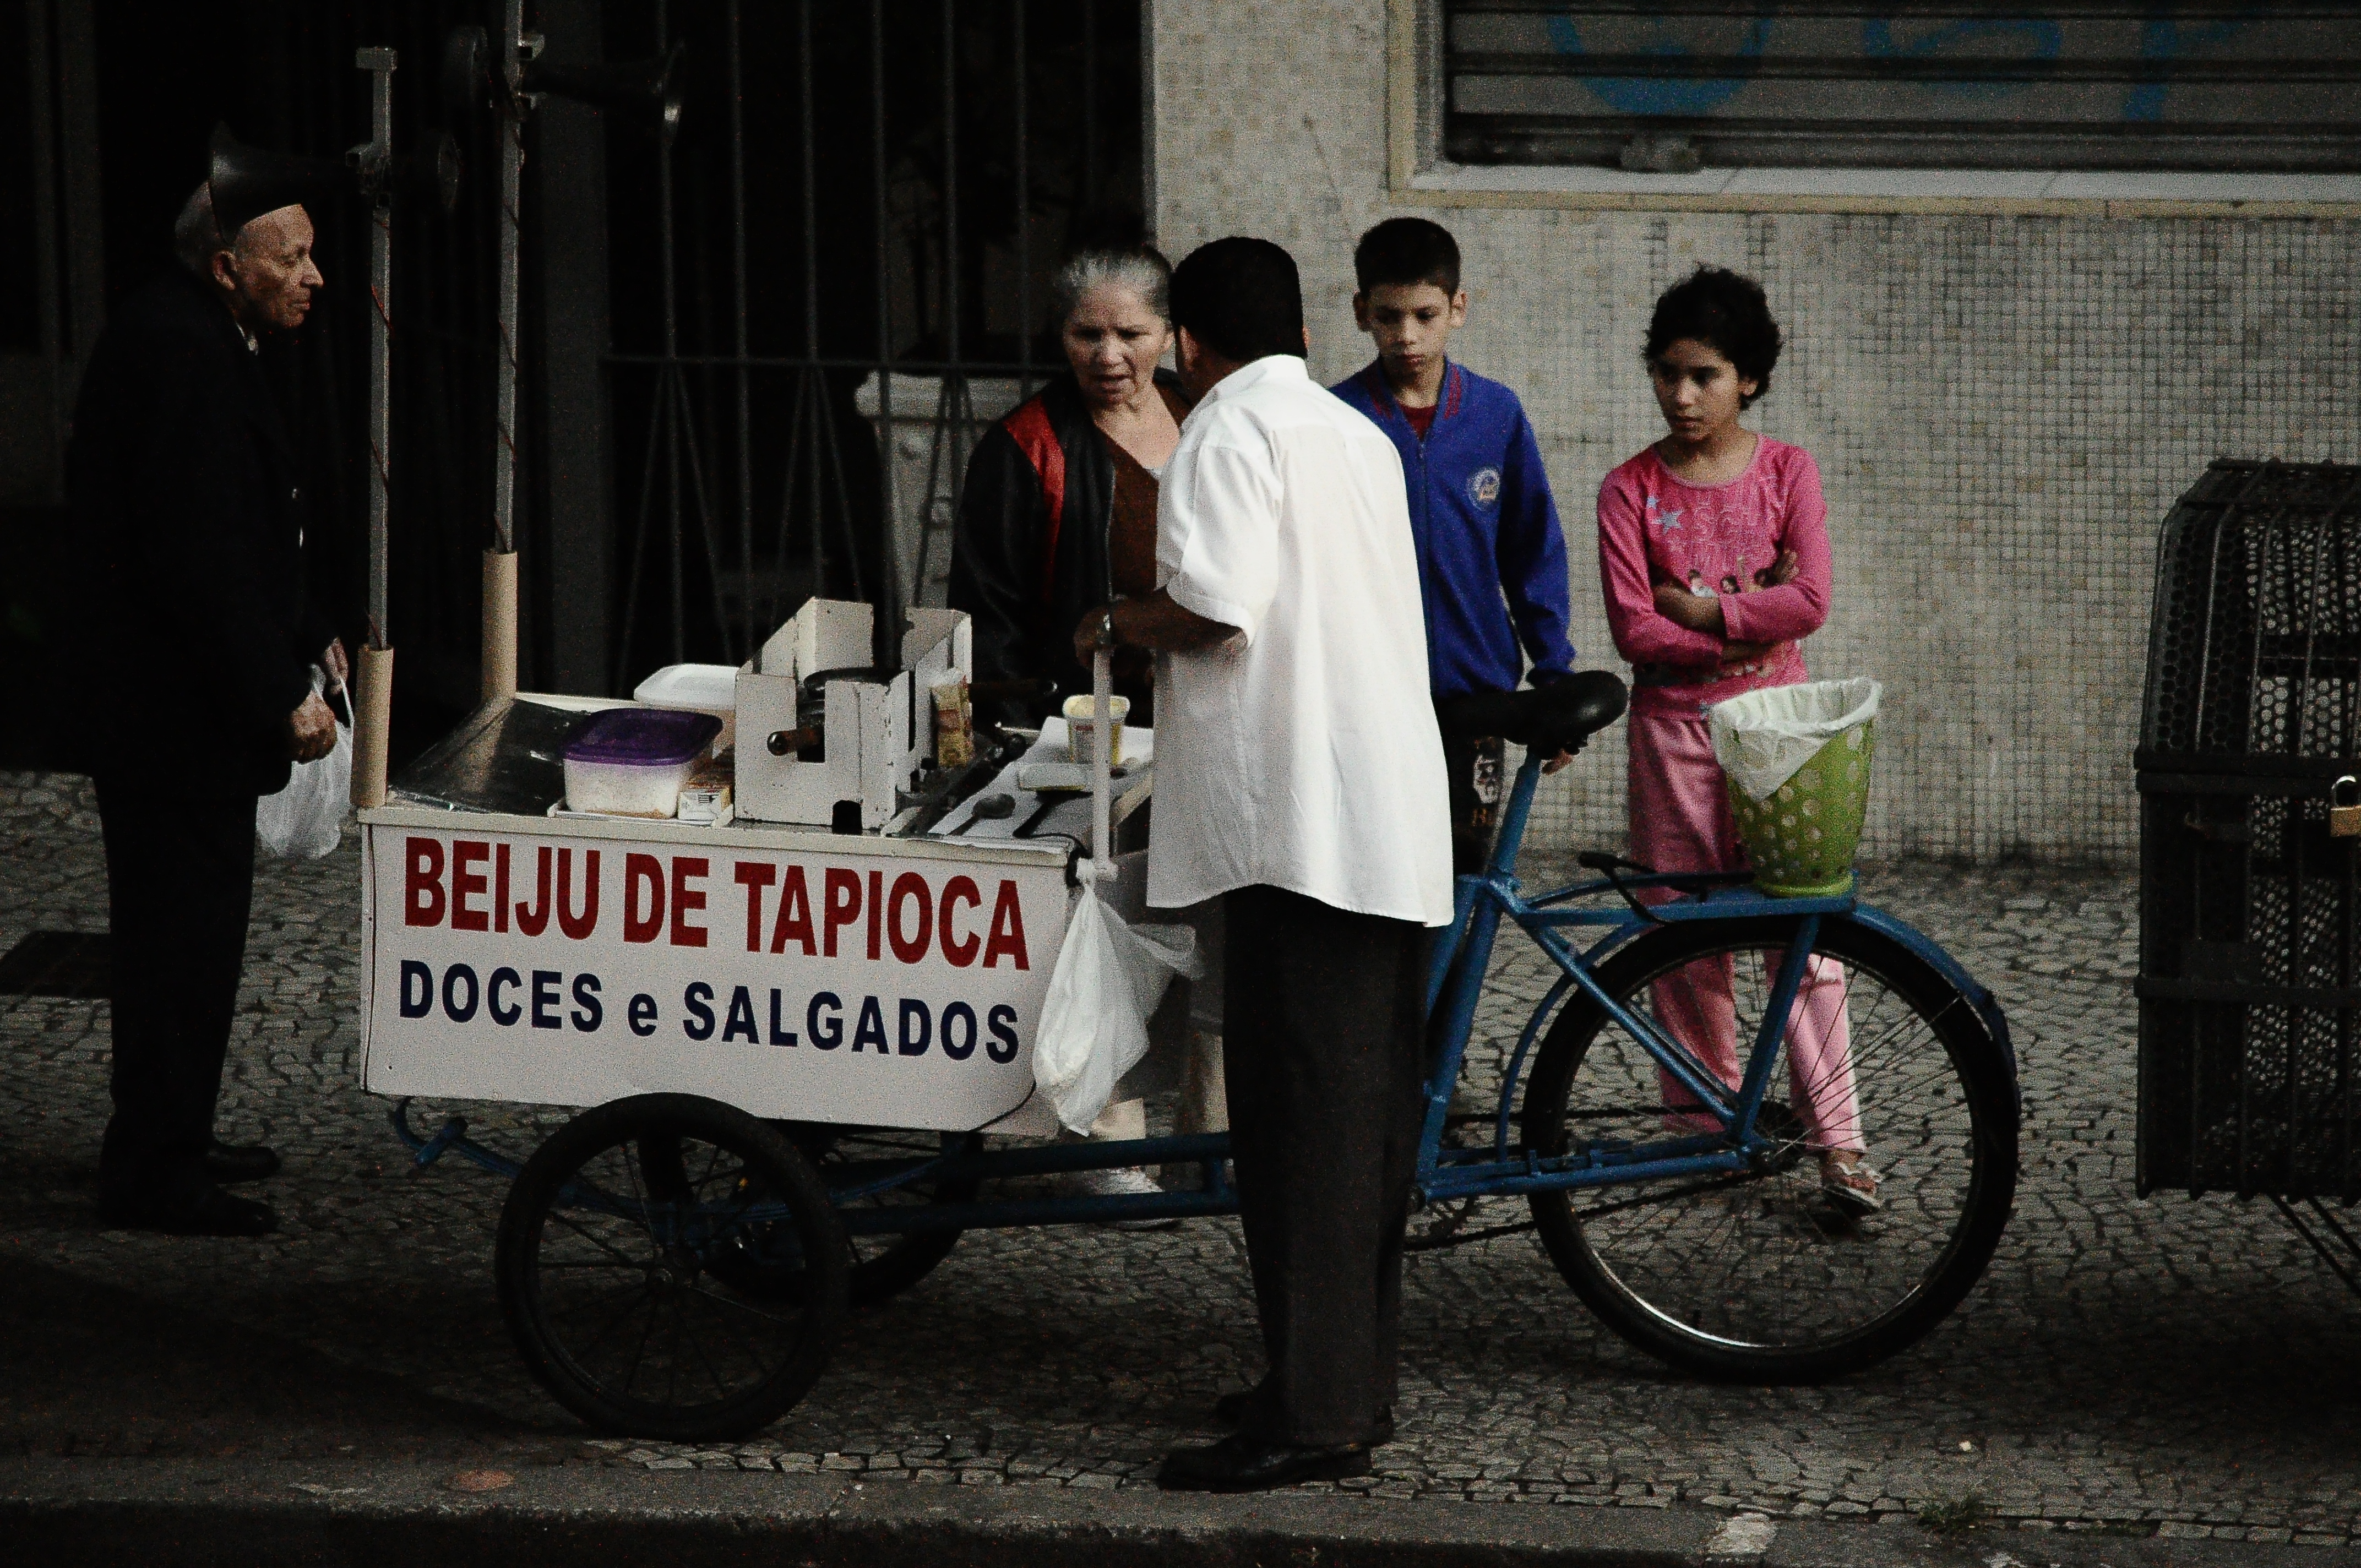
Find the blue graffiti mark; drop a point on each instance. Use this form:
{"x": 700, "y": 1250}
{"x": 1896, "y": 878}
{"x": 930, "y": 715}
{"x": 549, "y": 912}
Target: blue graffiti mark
{"x": 2163, "y": 43}
{"x": 2164, "y": 40}
{"x": 2046, "y": 41}
{"x": 1662, "y": 95}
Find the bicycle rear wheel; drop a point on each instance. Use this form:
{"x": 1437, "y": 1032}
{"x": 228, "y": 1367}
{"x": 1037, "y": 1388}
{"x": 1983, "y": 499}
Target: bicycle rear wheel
{"x": 1757, "y": 1275}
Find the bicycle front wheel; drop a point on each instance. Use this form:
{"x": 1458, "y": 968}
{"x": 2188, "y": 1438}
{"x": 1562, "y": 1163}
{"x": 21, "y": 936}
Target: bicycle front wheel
{"x": 1761, "y": 1276}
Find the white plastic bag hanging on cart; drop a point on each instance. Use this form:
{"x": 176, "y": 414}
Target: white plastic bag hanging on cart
{"x": 1764, "y": 739}
{"x": 1108, "y": 979}
{"x": 306, "y": 819}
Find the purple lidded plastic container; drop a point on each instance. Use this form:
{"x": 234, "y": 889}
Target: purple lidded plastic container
{"x": 631, "y": 761}
{"x": 641, "y": 737}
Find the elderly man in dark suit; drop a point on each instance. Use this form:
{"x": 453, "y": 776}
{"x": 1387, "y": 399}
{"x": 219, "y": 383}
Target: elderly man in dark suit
{"x": 201, "y": 637}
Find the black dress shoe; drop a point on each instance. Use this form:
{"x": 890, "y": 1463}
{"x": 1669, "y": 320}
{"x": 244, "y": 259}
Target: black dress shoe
{"x": 1241, "y": 1463}
{"x": 227, "y": 1162}
{"x": 1232, "y": 1409}
{"x": 210, "y": 1212}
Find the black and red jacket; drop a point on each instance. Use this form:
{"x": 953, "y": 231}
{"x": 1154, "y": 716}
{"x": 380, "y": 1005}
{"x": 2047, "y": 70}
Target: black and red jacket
{"x": 1029, "y": 554}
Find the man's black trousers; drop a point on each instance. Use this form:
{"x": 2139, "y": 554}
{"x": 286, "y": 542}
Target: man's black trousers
{"x": 179, "y": 880}
{"x": 1323, "y": 1026}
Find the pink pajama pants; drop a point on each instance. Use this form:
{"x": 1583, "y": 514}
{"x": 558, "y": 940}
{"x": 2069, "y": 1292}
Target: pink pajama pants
{"x": 1681, "y": 822}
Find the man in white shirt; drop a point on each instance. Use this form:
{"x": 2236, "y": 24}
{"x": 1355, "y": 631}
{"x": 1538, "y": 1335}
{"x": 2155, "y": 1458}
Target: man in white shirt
{"x": 1300, "y": 778}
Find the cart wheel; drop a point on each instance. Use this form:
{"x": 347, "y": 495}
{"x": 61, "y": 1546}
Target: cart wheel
{"x": 766, "y": 1263}
{"x": 885, "y": 1264}
{"x": 608, "y": 1278}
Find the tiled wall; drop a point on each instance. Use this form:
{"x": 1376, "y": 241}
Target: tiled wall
{"x": 2003, "y": 409}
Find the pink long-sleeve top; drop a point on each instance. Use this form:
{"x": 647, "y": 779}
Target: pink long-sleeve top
{"x": 1724, "y": 539}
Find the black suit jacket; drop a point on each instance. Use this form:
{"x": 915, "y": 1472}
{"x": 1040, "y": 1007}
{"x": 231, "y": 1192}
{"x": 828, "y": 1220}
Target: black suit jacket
{"x": 196, "y": 629}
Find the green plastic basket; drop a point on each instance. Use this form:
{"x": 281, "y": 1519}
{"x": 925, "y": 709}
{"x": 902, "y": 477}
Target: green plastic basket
{"x": 1802, "y": 840}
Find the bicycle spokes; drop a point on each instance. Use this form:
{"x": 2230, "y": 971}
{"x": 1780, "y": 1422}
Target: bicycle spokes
{"x": 1775, "y": 1265}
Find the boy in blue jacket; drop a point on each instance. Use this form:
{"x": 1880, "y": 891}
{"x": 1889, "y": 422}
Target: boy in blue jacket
{"x": 1491, "y": 558}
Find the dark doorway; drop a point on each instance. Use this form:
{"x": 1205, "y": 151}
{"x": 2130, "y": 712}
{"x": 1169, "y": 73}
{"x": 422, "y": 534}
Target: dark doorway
{"x": 807, "y": 305}
{"x": 832, "y": 280}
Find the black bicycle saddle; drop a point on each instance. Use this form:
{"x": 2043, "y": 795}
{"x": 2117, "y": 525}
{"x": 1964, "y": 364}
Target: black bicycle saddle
{"x": 1556, "y": 718}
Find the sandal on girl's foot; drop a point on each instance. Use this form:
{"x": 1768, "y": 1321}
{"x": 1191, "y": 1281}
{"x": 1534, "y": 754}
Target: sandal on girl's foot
{"x": 1850, "y": 1186}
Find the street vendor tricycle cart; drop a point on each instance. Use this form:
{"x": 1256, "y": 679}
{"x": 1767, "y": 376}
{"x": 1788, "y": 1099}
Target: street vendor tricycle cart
{"x": 794, "y": 1046}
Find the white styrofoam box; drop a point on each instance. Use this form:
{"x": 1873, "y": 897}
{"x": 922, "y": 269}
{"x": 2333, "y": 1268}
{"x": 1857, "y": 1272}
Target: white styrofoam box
{"x": 877, "y": 735}
{"x": 702, "y": 689}
{"x": 825, "y": 634}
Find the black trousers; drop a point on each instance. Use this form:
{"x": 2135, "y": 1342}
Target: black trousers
{"x": 1322, "y": 1044}
{"x": 180, "y": 881}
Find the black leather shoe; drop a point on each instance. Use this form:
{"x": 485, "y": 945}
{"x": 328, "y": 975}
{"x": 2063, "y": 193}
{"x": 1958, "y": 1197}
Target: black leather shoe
{"x": 212, "y": 1212}
{"x": 1232, "y": 1409}
{"x": 228, "y": 1163}
{"x": 1239, "y": 1464}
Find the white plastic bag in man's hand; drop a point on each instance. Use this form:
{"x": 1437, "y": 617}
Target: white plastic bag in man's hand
{"x": 1108, "y": 979}
{"x": 306, "y": 819}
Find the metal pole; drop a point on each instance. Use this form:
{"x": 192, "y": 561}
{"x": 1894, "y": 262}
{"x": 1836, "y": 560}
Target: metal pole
{"x": 499, "y": 617}
{"x": 950, "y": 189}
{"x": 1090, "y": 192}
{"x": 45, "y": 231}
{"x": 813, "y": 402}
{"x": 738, "y": 285}
{"x": 669, "y": 394}
{"x": 1024, "y": 224}
{"x": 888, "y": 443}
{"x": 374, "y": 713}
{"x": 951, "y": 404}
{"x": 1101, "y": 764}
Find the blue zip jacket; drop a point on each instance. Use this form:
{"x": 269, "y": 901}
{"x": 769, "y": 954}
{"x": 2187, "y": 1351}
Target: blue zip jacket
{"x": 1486, "y": 527}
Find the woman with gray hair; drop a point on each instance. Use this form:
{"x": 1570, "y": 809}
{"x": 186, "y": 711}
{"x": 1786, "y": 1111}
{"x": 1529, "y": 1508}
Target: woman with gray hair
{"x": 1059, "y": 515}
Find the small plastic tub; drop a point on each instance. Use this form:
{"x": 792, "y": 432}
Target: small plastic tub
{"x": 1081, "y": 722}
{"x": 703, "y": 688}
{"x": 631, "y": 761}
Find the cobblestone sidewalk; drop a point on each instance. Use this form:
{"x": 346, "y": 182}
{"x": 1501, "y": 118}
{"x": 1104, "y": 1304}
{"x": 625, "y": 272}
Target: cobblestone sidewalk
{"x": 2169, "y": 1367}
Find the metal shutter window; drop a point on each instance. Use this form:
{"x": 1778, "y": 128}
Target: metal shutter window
{"x": 2110, "y": 84}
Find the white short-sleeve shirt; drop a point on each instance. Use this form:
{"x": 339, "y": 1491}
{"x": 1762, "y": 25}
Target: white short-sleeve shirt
{"x": 1303, "y": 754}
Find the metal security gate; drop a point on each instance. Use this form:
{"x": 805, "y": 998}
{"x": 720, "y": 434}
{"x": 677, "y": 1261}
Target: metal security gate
{"x": 829, "y": 283}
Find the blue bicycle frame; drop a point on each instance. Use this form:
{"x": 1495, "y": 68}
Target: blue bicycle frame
{"x": 1462, "y": 957}
{"x": 1456, "y": 985}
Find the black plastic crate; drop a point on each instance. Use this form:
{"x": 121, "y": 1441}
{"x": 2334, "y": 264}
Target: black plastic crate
{"x": 2255, "y": 642}
{"x": 2249, "y": 1009}
{"x": 2250, "y": 912}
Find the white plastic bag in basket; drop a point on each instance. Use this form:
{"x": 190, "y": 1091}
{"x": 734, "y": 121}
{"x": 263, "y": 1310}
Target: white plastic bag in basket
{"x": 1109, "y": 978}
{"x": 306, "y": 819}
{"x": 1761, "y": 740}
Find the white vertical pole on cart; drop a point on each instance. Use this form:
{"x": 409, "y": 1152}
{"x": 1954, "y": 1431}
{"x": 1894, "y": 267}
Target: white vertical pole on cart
{"x": 1102, "y": 757}
{"x": 373, "y": 713}
{"x": 499, "y": 633}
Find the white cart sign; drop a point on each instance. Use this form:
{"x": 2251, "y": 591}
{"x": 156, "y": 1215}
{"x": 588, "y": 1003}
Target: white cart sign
{"x": 802, "y": 976}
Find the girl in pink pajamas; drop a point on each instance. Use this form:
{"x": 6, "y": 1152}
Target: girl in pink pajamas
{"x": 1713, "y": 551}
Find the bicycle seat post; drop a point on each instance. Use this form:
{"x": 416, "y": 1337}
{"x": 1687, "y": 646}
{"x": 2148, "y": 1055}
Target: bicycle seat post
{"x": 1511, "y": 837}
